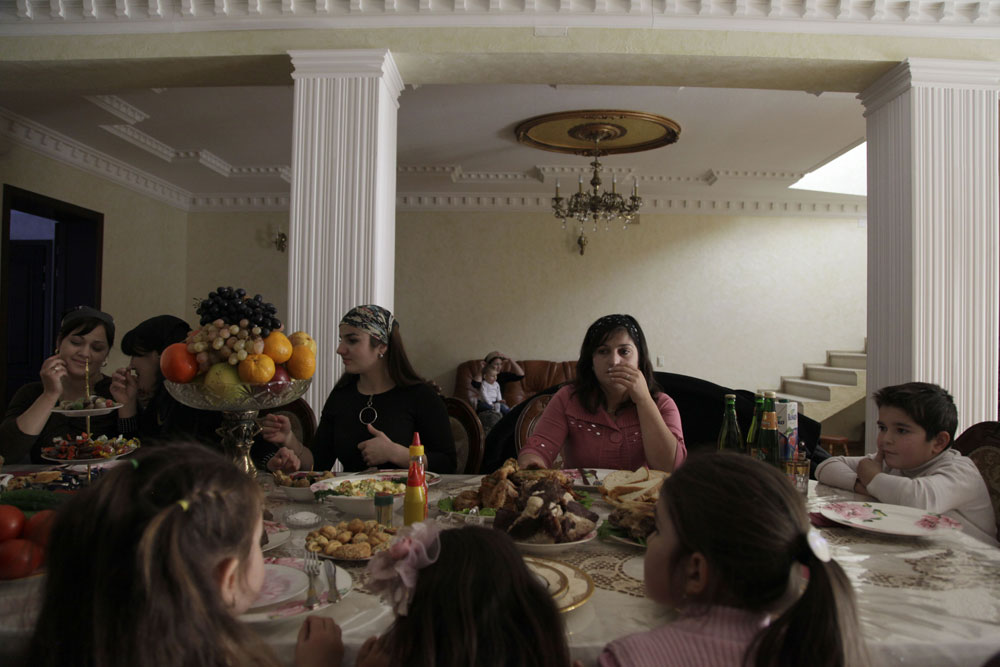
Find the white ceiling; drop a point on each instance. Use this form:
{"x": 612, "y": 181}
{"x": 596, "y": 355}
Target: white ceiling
{"x": 452, "y": 137}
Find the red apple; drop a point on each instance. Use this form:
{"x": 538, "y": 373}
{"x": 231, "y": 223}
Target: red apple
{"x": 279, "y": 381}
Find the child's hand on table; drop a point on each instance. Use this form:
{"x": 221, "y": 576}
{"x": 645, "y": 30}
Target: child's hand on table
{"x": 320, "y": 644}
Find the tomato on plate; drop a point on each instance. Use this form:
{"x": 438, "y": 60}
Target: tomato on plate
{"x": 11, "y": 522}
{"x": 19, "y": 558}
{"x": 38, "y": 527}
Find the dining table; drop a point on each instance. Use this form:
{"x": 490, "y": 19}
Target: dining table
{"x": 928, "y": 599}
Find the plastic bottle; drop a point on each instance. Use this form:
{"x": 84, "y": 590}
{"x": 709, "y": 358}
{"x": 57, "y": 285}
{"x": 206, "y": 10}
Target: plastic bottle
{"x": 415, "y": 501}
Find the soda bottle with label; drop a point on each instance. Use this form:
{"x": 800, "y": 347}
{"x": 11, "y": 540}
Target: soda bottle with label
{"x": 754, "y": 431}
{"x": 767, "y": 441}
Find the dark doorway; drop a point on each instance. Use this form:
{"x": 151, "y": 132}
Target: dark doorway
{"x": 50, "y": 261}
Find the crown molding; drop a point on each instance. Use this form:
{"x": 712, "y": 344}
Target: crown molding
{"x": 68, "y": 151}
{"x": 653, "y": 205}
{"x": 118, "y": 107}
{"x": 275, "y": 201}
{"x": 914, "y": 18}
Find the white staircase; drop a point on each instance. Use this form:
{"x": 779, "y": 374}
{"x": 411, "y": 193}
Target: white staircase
{"x": 825, "y": 390}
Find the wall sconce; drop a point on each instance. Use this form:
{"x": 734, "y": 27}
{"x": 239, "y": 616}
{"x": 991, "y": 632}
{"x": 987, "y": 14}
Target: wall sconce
{"x": 280, "y": 241}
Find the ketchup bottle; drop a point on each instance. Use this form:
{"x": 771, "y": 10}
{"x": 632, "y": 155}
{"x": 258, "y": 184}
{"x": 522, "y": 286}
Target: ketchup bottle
{"x": 415, "y": 501}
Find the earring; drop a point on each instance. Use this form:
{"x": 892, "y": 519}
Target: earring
{"x": 380, "y": 355}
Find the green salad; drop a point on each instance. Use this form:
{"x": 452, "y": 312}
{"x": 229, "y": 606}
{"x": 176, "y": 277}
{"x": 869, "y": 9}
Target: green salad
{"x": 606, "y": 530}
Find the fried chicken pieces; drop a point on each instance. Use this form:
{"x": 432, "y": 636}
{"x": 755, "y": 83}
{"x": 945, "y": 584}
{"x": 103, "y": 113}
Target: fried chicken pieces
{"x": 546, "y": 512}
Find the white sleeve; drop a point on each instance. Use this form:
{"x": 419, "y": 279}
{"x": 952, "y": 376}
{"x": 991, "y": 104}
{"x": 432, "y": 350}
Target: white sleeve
{"x": 949, "y": 487}
{"x": 839, "y": 471}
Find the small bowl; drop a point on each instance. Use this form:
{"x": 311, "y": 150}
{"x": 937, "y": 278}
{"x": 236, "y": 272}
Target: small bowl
{"x": 300, "y": 494}
{"x": 362, "y": 507}
{"x": 302, "y": 519}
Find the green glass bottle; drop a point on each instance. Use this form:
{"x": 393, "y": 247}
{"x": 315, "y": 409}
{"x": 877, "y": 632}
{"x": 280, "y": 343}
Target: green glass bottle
{"x": 754, "y": 429}
{"x": 730, "y": 438}
{"x": 767, "y": 442}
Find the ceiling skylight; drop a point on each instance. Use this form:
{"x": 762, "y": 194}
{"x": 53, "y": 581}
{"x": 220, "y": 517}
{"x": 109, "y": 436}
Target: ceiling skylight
{"x": 846, "y": 174}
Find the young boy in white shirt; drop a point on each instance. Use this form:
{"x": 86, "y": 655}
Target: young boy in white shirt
{"x": 915, "y": 464}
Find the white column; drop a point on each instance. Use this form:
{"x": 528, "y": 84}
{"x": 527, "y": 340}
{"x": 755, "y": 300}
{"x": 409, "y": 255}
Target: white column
{"x": 933, "y": 290}
{"x": 343, "y": 216}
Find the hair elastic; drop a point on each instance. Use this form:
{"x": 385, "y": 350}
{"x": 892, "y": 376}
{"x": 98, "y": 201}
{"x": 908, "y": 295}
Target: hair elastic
{"x": 135, "y": 464}
{"x": 185, "y": 505}
{"x": 818, "y": 545}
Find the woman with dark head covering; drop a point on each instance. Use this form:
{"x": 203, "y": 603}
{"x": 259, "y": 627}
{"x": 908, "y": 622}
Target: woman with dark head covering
{"x": 148, "y": 410}
{"x": 82, "y": 345}
{"x": 377, "y": 405}
{"x": 613, "y": 415}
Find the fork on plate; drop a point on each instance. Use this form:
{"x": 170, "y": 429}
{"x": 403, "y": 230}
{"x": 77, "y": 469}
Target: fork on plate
{"x": 310, "y": 564}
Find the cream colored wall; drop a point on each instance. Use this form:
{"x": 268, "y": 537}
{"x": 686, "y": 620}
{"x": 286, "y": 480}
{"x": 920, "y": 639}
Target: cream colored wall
{"x": 235, "y": 250}
{"x": 145, "y": 241}
{"x": 738, "y": 301}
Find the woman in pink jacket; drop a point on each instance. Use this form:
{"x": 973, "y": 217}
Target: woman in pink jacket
{"x": 613, "y": 415}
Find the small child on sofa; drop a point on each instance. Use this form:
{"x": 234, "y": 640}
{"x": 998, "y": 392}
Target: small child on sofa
{"x": 915, "y": 464}
{"x": 490, "y": 393}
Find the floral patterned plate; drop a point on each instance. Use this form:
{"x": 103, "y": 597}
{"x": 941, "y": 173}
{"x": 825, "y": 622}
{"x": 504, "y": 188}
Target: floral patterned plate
{"x": 889, "y": 519}
{"x": 296, "y": 606}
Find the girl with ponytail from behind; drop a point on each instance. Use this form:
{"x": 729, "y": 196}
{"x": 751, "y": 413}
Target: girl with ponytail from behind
{"x": 153, "y": 564}
{"x": 732, "y": 535}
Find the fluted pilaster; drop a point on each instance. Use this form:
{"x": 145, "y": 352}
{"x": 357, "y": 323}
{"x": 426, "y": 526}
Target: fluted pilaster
{"x": 343, "y": 225}
{"x": 933, "y": 241}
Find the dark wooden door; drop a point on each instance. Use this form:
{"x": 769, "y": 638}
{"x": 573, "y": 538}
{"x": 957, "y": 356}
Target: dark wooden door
{"x": 72, "y": 278}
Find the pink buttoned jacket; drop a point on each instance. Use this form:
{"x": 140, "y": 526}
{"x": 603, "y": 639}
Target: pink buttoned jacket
{"x": 598, "y": 440}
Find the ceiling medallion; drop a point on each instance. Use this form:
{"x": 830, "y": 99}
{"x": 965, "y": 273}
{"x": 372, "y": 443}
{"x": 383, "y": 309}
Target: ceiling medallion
{"x": 595, "y": 133}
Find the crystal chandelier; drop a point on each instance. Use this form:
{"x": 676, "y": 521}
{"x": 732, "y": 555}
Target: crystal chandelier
{"x": 595, "y": 206}
{"x": 596, "y": 133}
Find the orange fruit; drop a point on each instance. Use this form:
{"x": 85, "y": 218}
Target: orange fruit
{"x": 302, "y": 364}
{"x": 278, "y": 347}
{"x": 302, "y": 338}
{"x": 257, "y": 369}
{"x": 177, "y": 364}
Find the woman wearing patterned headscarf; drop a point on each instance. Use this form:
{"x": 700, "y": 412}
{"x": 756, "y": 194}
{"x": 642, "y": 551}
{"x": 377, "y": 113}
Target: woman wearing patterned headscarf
{"x": 378, "y": 404}
{"x": 613, "y": 415}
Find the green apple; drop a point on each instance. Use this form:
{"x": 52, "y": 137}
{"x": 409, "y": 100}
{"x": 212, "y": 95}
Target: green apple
{"x": 223, "y": 380}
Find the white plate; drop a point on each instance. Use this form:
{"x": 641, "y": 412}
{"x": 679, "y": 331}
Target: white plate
{"x": 103, "y": 463}
{"x": 579, "y": 586}
{"x": 296, "y": 607}
{"x": 550, "y": 549}
{"x": 277, "y": 534}
{"x": 92, "y": 412}
{"x": 281, "y": 583}
{"x": 889, "y": 519}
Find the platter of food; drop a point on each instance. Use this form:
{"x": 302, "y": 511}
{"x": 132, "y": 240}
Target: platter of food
{"x": 42, "y": 480}
{"x": 617, "y": 533}
{"x": 447, "y": 505}
{"x": 94, "y": 406}
{"x": 537, "y": 508}
{"x": 82, "y": 449}
{"x": 295, "y": 606}
{"x": 633, "y": 494}
{"x": 353, "y": 495}
{"x": 354, "y": 540}
{"x": 400, "y": 475}
{"x": 276, "y": 534}
{"x": 296, "y": 486}
{"x": 579, "y": 586}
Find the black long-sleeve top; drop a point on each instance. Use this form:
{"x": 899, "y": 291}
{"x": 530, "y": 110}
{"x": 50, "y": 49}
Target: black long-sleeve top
{"x": 401, "y": 412}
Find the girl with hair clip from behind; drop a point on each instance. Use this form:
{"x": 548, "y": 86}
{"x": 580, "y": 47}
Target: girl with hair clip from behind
{"x": 452, "y": 608}
{"x": 731, "y": 537}
{"x": 375, "y": 408}
{"x": 153, "y": 564}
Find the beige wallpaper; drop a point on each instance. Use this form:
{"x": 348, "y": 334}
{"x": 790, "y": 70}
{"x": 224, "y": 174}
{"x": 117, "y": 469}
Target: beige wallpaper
{"x": 236, "y": 250}
{"x": 145, "y": 241}
{"x": 738, "y": 301}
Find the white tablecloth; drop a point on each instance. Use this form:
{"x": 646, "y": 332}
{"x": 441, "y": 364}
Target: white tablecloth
{"x": 923, "y": 601}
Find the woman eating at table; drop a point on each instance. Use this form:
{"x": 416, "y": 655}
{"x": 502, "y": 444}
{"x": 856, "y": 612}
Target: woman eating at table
{"x": 377, "y": 405}
{"x": 82, "y": 345}
{"x": 613, "y": 415}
